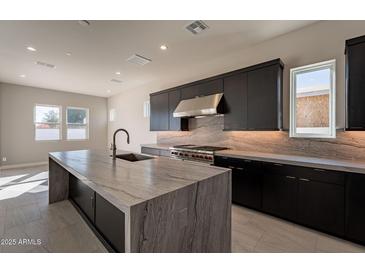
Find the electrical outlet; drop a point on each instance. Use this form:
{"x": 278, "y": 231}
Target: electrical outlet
{"x": 4, "y": 159}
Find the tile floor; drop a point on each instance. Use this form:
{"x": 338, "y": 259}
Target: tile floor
{"x": 26, "y": 214}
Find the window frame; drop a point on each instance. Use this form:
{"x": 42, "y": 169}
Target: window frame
{"x": 87, "y": 123}
{"x": 331, "y": 64}
{"x": 35, "y": 122}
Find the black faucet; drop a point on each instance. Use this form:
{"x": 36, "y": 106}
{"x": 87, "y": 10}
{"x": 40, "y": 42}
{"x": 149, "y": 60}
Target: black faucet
{"x": 114, "y": 146}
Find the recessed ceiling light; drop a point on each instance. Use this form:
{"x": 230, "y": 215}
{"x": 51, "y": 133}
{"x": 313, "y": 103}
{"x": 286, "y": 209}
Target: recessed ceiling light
{"x": 108, "y": 91}
{"x": 163, "y": 47}
{"x": 117, "y": 73}
{"x": 31, "y": 49}
{"x": 68, "y": 53}
{"x": 22, "y": 75}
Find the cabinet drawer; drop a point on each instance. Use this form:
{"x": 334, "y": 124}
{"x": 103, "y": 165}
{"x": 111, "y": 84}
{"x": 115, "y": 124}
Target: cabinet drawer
{"x": 242, "y": 164}
{"x": 322, "y": 175}
{"x": 306, "y": 173}
{"x": 109, "y": 221}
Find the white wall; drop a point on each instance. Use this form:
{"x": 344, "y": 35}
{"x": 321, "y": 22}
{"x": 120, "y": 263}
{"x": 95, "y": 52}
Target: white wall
{"x": 318, "y": 42}
{"x": 17, "y": 142}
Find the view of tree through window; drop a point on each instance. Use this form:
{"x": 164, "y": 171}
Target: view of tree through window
{"x": 47, "y": 122}
{"x": 77, "y": 123}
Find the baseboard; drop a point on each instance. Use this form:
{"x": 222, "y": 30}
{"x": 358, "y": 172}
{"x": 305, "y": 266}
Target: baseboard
{"x": 23, "y": 165}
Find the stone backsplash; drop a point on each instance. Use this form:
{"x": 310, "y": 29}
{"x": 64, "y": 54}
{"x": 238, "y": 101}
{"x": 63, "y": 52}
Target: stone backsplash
{"x": 209, "y": 131}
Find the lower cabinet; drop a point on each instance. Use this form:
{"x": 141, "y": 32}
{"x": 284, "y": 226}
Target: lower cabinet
{"x": 321, "y": 206}
{"x": 104, "y": 218}
{"x": 109, "y": 221}
{"x": 355, "y": 208}
{"x": 330, "y": 201}
{"x": 82, "y": 196}
{"x": 246, "y": 182}
{"x": 279, "y": 195}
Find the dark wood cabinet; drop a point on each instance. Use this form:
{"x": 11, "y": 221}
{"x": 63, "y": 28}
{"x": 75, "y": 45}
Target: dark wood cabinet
{"x": 235, "y": 102}
{"x": 82, "y": 196}
{"x": 330, "y": 201}
{"x": 264, "y": 110}
{"x": 252, "y": 99}
{"x": 246, "y": 181}
{"x": 321, "y": 205}
{"x": 355, "y": 83}
{"x": 162, "y": 108}
{"x": 355, "y": 208}
{"x": 175, "y": 124}
{"x": 109, "y": 221}
{"x": 159, "y": 116}
{"x": 202, "y": 89}
{"x": 279, "y": 195}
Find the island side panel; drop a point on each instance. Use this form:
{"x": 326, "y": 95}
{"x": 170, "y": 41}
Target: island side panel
{"x": 58, "y": 182}
{"x": 196, "y": 218}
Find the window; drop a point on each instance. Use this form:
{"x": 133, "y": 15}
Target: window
{"x": 47, "y": 122}
{"x": 312, "y": 101}
{"x": 77, "y": 123}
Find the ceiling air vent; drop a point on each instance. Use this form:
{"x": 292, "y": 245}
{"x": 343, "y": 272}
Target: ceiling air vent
{"x": 116, "y": 81}
{"x": 39, "y": 63}
{"x": 197, "y": 27}
{"x": 138, "y": 60}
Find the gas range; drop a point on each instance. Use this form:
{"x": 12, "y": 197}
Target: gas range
{"x": 204, "y": 154}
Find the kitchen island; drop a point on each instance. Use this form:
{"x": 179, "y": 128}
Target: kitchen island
{"x": 153, "y": 205}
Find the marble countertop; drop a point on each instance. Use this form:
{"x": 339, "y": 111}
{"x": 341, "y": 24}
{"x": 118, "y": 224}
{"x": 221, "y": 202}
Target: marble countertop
{"x": 127, "y": 183}
{"x": 314, "y": 162}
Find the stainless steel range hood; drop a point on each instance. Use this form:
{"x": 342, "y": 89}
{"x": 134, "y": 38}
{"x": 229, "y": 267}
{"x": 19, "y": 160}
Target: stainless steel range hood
{"x": 199, "y": 106}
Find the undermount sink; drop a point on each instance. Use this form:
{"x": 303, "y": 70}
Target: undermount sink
{"x": 133, "y": 157}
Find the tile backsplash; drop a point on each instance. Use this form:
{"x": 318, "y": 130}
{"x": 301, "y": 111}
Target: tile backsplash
{"x": 209, "y": 131}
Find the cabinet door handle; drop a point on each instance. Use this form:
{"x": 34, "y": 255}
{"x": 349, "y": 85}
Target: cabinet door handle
{"x": 290, "y": 177}
{"x": 278, "y": 165}
{"x": 231, "y": 167}
{"x": 304, "y": 180}
{"x": 247, "y": 161}
{"x": 92, "y": 202}
{"x": 239, "y": 168}
{"x": 318, "y": 169}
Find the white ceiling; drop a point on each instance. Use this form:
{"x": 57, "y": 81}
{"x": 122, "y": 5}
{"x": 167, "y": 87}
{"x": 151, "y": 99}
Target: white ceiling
{"x": 101, "y": 49}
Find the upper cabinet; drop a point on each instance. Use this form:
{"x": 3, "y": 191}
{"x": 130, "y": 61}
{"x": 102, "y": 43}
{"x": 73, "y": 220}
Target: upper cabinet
{"x": 159, "y": 117}
{"x": 264, "y": 96}
{"x": 202, "y": 89}
{"x": 235, "y": 98}
{"x": 253, "y": 98}
{"x": 162, "y": 107}
{"x": 175, "y": 124}
{"x": 355, "y": 83}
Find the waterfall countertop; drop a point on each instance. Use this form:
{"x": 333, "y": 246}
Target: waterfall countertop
{"x": 127, "y": 183}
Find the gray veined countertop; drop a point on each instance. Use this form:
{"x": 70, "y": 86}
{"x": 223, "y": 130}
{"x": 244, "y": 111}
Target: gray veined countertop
{"x": 127, "y": 183}
{"x": 313, "y": 162}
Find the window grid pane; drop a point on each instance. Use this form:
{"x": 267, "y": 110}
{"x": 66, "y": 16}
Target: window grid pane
{"x": 77, "y": 123}
{"x": 47, "y": 123}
